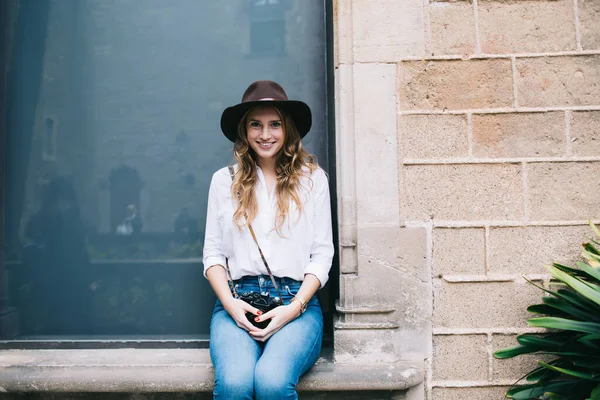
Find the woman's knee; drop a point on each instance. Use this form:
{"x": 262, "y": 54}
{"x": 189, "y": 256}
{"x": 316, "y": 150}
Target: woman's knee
{"x": 274, "y": 382}
{"x": 234, "y": 386}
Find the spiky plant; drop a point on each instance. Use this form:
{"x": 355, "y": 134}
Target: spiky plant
{"x": 572, "y": 315}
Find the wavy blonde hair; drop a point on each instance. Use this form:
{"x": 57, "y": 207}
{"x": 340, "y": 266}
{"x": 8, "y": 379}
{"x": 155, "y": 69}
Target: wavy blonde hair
{"x": 289, "y": 166}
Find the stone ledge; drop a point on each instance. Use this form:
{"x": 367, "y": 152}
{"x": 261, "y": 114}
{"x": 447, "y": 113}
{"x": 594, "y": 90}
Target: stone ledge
{"x": 174, "y": 370}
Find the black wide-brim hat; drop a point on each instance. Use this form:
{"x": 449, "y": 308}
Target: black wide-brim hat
{"x": 266, "y": 93}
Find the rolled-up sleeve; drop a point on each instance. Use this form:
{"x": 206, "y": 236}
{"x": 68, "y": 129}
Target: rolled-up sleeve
{"x": 212, "y": 253}
{"x": 321, "y": 254}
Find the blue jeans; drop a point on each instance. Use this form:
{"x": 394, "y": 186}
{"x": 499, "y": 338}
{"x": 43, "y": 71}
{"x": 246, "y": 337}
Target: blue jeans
{"x": 247, "y": 369}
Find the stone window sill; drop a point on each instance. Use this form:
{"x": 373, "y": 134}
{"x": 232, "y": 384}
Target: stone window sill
{"x": 174, "y": 370}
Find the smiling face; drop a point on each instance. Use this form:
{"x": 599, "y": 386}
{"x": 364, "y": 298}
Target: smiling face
{"x": 264, "y": 128}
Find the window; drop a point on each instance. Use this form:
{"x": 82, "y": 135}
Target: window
{"x": 104, "y": 231}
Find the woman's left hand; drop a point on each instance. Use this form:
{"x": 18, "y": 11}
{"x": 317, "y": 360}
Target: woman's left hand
{"x": 279, "y": 317}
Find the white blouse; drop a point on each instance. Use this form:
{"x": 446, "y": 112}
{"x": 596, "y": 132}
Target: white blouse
{"x": 305, "y": 245}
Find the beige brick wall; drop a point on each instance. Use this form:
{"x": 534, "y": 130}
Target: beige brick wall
{"x": 498, "y": 125}
{"x": 497, "y": 107}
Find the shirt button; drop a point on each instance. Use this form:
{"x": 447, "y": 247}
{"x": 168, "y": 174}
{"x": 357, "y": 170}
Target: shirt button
{"x": 261, "y": 279}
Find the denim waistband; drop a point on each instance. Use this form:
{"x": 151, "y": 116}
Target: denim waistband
{"x": 261, "y": 280}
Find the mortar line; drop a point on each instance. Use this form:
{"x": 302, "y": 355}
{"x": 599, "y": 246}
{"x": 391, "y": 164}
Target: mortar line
{"x": 499, "y": 110}
{"x": 568, "y": 145}
{"x": 505, "y": 223}
{"x": 473, "y": 384}
{"x": 513, "y": 63}
{"x": 429, "y": 262}
{"x": 491, "y": 278}
{"x": 476, "y": 20}
{"x": 501, "y": 160}
{"x": 428, "y": 378}
{"x": 470, "y": 134}
{"x": 577, "y": 26}
{"x": 525, "y": 192}
{"x": 490, "y": 349}
{"x": 482, "y": 331}
{"x": 486, "y": 252}
{"x": 479, "y": 56}
{"x": 427, "y": 23}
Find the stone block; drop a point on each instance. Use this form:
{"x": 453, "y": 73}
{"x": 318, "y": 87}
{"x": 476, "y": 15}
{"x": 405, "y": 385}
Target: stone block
{"x": 525, "y": 250}
{"x": 585, "y": 133}
{"x": 483, "y": 304}
{"x": 563, "y": 191}
{"x": 455, "y": 84}
{"x": 388, "y": 32}
{"x": 512, "y": 368}
{"x": 589, "y": 15}
{"x": 558, "y": 81}
{"x": 452, "y": 28}
{"x": 403, "y": 249}
{"x": 519, "y": 135}
{"x": 463, "y": 192}
{"x": 362, "y": 345}
{"x": 375, "y": 142}
{"x": 524, "y": 26}
{"x": 433, "y": 136}
{"x": 459, "y": 251}
{"x": 381, "y": 286}
{"x": 473, "y": 393}
{"x": 460, "y": 358}
{"x": 342, "y": 33}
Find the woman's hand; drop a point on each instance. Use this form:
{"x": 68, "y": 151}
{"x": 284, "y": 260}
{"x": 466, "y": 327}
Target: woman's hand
{"x": 279, "y": 317}
{"x": 237, "y": 309}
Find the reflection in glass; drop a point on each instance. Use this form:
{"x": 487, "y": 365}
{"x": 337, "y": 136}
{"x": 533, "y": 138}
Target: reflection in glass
{"x": 113, "y": 135}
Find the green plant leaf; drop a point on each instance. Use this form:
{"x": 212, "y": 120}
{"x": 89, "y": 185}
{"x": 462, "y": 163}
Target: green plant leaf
{"x": 567, "y": 308}
{"x": 580, "y": 286}
{"x": 594, "y": 228}
{"x": 578, "y": 300}
{"x": 565, "y": 324}
{"x": 569, "y": 296}
{"x": 591, "y": 271}
{"x": 546, "y": 310}
{"x": 571, "y": 270}
{"x": 589, "y": 340}
{"x": 579, "y": 374}
{"x": 591, "y": 249}
{"x": 514, "y": 351}
{"x": 595, "y": 395}
{"x": 536, "y": 390}
{"x": 541, "y": 373}
{"x": 527, "y": 339}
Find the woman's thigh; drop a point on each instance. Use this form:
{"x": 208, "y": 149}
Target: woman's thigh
{"x": 291, "y": 351}
{"x": 234, "y": 355}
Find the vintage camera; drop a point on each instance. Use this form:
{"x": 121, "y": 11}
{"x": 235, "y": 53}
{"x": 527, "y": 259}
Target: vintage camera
{"x": 263, "y": 302}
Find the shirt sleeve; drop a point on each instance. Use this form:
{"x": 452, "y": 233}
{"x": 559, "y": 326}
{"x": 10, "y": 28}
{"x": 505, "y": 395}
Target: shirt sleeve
{"x": 321, "y": 254}
{"x": 212, "y": 253}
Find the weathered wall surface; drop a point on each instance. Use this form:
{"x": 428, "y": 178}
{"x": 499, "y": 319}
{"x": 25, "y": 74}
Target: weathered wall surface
{"x": 475, "y": 137}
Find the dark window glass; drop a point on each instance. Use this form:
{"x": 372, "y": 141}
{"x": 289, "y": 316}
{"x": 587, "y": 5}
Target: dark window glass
{"x": 112, "y": 136}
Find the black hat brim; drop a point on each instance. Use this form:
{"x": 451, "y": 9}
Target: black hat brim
{"x": 298, "y": 111}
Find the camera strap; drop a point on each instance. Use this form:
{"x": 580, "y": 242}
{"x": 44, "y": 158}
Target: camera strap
{"x": 262, "y": 256}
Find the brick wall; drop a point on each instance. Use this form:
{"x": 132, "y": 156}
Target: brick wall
{"x": 497, "y": 155}
{"x": 499, "y": 139}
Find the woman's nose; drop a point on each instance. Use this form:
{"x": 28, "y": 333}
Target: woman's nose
{"x": 265, "y": 133}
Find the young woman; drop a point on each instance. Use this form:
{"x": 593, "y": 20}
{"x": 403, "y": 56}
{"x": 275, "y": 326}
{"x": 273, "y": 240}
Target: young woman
{"x": 277, "y": 199}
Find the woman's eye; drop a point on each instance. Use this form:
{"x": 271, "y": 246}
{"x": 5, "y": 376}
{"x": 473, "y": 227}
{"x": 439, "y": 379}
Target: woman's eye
{"x": 255, "y": 124}
{"x": 276, "y": 124}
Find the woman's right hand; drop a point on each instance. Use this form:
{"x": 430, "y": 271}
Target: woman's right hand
{"x": 237, "y": 309}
